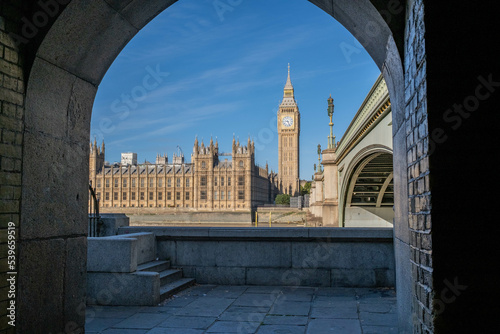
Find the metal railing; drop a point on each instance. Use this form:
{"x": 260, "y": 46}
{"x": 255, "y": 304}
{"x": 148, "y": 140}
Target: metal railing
{"x": 94, "y": 217}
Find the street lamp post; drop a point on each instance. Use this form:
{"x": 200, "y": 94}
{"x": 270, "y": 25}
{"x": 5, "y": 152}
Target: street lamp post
{"x": 331, "y": 137}
{"x": 319, "y": 157}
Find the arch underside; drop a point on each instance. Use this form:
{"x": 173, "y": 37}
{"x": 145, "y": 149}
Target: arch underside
{"x": 372, "y": 184}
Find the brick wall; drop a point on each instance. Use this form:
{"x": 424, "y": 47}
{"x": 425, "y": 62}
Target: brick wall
{"x": 11, "y": 138}
{"x": 418, "y": 167}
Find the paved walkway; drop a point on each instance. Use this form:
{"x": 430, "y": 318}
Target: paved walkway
{"x": 254, "y": 309}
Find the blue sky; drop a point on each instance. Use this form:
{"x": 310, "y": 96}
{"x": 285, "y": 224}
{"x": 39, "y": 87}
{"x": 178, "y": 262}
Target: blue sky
{"x": 218, "y": 67}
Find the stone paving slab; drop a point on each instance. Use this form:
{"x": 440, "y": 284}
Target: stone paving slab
{"x": 289, "y": 308}
{"x": 254, "y": 309}
{"x": 159, "y": 330}
{"x": 285, "y": 320}
{"x": 326, "y": 326}
{"x": 243, "y": 316}
{"x": 141, "y": 321}
{"x": 125, "y": 331}
{"x": 195, "y": 322}
{"x": 275, "y": 329}
{"x": 233, "y": 327}
{"x": 334, "y": 312}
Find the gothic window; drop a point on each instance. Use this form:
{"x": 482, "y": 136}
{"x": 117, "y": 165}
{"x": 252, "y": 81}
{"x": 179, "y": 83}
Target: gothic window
{"x": 142, "y": 182}
{"x": 229, "y": 195}
{"x": 160, "y": 196}
{"x": 98, "y": 183}
{"x": 215, "y": 181}
{"x": 203, "y": 181}
{"x": 116, "y": 183}
{"x": 151, "y": 195}
{"x": 241, "y": 181}
{"x": 178, "y": 182}
{"x": 142, "y": 195}
{"x": 215, "y": 195}
{"x": 203, "y": 164}
{"x": 124, "y": 196}
{"x": 124, "y": 183}
{"x": 133, "y": 183}
{"x": 187, "y": 195}
{"x": 169, "y": 182}
{"x": 222, "y": 195}
{"x": 187, "y": 182}
{"x": 151, "y": 183}
{"x": 115, "y": 196}
{"x": 222, "y": 181}
{"x": 107, "y": 196}
{"x": 160, "y": 182}
{"x": 132, "y": 196}
{"x": 169, "y": 195}
{"x": 203, "y": 195}
{"x": 241, "y": 163}
{"x": 229, "y": 181}
{"x": 178, "y": 196}
{"x": 241, "y": 194}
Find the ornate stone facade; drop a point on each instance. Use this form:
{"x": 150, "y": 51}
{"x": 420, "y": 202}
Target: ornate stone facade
{"x": 206, "y": 183}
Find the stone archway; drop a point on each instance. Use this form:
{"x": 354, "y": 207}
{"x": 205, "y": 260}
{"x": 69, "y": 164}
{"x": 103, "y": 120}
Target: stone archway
{"x": 68, "y": 66}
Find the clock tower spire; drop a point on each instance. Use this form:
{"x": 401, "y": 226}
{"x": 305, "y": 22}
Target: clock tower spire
{"x": 288, "y": 140}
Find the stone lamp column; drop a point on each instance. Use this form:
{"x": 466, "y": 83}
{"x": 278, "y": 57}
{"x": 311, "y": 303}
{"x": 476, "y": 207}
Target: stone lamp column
{"x": 331, "y": 202}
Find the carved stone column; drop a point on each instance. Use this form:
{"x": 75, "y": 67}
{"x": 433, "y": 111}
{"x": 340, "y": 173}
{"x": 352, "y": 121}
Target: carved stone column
{"x": 330, "y": 207}
{"x": 318, "y": 202}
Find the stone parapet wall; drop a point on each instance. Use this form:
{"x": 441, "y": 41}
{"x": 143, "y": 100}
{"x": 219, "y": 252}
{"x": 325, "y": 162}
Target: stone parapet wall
{"x": 282, "y": 257}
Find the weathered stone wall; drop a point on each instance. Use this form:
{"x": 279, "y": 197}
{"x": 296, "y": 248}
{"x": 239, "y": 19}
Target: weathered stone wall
{"x": 11, "y": 139}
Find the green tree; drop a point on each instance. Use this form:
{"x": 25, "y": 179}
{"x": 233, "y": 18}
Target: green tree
{"x": 306, "y": 189}
{"x": 283, "y": 199}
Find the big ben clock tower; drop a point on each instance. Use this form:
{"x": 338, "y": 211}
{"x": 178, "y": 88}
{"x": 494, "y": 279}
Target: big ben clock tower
{"x": 288, "y": 140}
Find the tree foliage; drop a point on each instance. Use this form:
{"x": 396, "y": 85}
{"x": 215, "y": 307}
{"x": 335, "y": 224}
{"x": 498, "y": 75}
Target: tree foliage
{"x": 283, "y": 199}
{"x": 306, "y": 189}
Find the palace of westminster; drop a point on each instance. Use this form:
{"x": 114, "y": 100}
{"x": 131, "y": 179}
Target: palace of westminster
{"x": 206, "y": 183}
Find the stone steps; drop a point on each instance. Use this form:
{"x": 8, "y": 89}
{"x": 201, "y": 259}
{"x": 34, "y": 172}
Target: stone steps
{"x": 171, "y": 280}
{"x": 130, "y": 260}
{"x": 169, "y": 276}
{"x": 154, "y": 266}
{"x": 174, "y": 287}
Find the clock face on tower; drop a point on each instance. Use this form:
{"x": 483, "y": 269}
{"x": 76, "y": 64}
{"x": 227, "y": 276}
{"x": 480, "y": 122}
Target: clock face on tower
{"x": 287, "y": 121}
